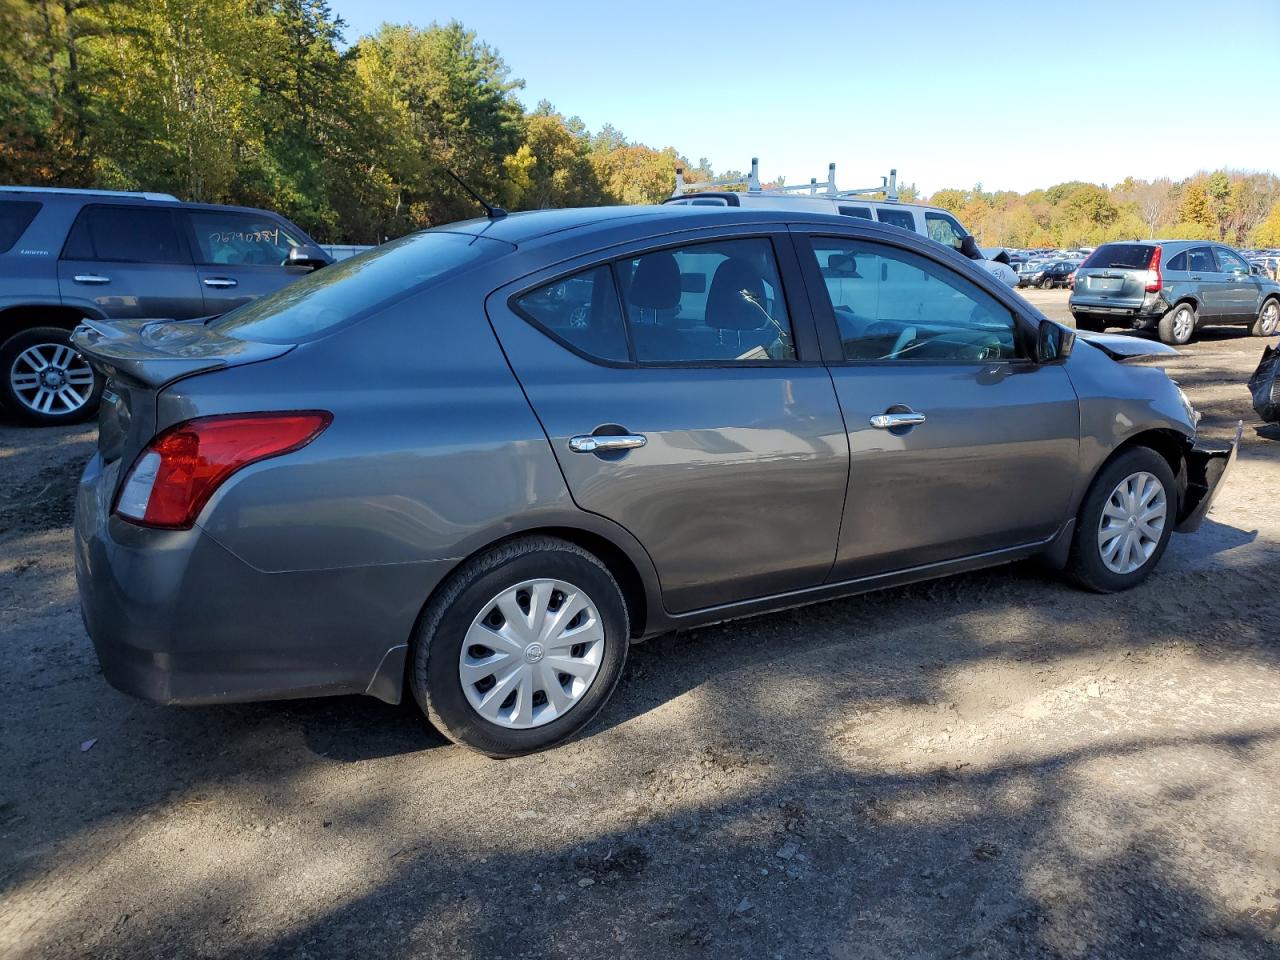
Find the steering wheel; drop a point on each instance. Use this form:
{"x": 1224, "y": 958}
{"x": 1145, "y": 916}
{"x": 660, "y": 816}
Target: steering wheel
{"x": 907, "y": 335}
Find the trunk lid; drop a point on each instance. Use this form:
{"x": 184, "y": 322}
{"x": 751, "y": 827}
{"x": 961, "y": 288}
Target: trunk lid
{"x": 139, "y": 358}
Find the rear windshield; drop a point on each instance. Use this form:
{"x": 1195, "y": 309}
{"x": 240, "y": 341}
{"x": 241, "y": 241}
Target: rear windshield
{"x": 1120, "y": 256}
{"x": 15, "y": 217}
{"x": 351, "y": 289}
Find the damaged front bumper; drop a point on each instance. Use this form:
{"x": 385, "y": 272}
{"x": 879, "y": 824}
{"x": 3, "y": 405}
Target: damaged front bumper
{"x": 1208, "y": 462}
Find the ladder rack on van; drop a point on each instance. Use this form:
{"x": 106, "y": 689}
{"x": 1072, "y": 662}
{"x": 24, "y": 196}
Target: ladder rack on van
{"x": 888, "y": 185}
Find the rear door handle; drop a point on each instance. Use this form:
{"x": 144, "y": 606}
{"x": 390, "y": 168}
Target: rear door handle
{"x": 219, "y": 282}
{"x": 588, "y": 443}
{"x": 91, "y": 278}
{"x": 887, "y": 421}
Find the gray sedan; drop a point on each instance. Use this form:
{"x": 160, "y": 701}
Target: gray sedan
{"x": 474, "y": 465}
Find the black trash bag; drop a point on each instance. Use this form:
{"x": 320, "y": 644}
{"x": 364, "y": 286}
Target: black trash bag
{"x": 1265, "y": 385}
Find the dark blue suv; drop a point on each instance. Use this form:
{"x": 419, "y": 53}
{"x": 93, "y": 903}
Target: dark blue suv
{"x": 70, "y": 254}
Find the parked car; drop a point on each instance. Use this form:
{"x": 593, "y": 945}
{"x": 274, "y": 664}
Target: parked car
{"x": 479, "y": 461}
{"x": 70, "y": 254}
{"x": 933, "y": 222}
{"x": 1056, "y": 273}
{"x": 1173, "y": 287}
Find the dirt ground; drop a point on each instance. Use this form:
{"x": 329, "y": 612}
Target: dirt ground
{"x": 993, "y": 765}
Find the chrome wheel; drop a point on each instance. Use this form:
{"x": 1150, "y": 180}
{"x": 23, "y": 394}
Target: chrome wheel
{"x": 1183, "y": 324}
{"x": 51, "y": 378}
{"x": 1269, "y": 322}
{"x": 1132, "y": 523}
{"x": 531, "y": 653}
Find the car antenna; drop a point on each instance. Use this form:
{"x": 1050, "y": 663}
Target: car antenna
{"x": 494, "y": 213}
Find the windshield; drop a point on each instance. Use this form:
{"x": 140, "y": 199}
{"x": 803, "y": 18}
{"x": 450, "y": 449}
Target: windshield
{"x": 347, "y": 291}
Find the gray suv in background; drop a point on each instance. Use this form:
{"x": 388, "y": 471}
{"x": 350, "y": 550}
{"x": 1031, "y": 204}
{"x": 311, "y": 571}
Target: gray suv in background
{"x": 1173, "y": 287}
{"x": 68, "y": 255}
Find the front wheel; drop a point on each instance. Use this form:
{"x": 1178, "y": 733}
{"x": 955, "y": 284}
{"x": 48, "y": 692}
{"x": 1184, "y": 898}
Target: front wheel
{"x": 1125, "y": 522}
{"x": 1268, "y": 322}
{"x": 1177, "y": 326}
{"x": 521, "y": 648}
{"x": 44, "y": 381}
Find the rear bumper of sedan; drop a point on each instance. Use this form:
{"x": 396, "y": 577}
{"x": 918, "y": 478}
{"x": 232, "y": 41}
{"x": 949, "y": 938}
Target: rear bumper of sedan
{"x": 1208, "y": 463}
{"x": 177, "y": 618}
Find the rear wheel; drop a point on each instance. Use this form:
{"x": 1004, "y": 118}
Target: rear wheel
{"x": 1177, "y": 326}
{"x": 521, "y": 648}
{"x": 1125, "y": 522}
{"x": 44, "y": 381}
{"x": 1268, "y": 322}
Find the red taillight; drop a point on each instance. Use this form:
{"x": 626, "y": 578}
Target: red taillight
{"x": 1154, "y": 280}
{"x": 174, "y": 477}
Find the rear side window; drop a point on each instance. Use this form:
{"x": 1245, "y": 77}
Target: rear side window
{"x": 348, "y": 291}
{"x": 863, "y": 213}
{"x": 582, "y": 312}
{"x": 15, "y": 217}
{"x": 126, "y": 235}
{"x": 1178, "y": 263}
{"x": 1200, "y": 259}
{"x": 1120, "y": 256}
{"x": 897, "y": 218}
{"x": 241, "y": 238}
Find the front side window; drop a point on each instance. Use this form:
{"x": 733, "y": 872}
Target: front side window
{"x": 1231, "y": 262}
{"x": 891, "y": 305}
{"x": 897, "y": 218}
{"x": 125, "y": 234}
{"x": 240, "y": 238}
{"x": 944, "y": 230}
{"x": 15, "y": 217}
{"x": 1200, "y": 260}
{"x": 581, "y": 311}
{"x": 718, "y": 301}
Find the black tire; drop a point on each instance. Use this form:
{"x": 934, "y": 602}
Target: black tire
{"x": 437, "y": 647}
{"x": 1046, "y": 284}
{"x": 1091, "y": 324}
{"x": 1169, "y": 325}
{"x": 20, "y": 406}
{"x": 1267, "y": 323}
{"x": 1085, "y": 565}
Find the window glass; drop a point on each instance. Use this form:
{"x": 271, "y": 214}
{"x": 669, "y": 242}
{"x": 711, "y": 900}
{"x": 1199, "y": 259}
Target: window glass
{"x": 125, "y": 234}
{"x": 350, "y": 289}
{"x": 944, "y": 229}
{"x": 1200, "y": 260}
{"x": 718, "y": 301}
{"x": 581, "y": 310}
{"x": 1120, "y": 256}
{"x": 1179, "y": 262}
{"x": 894, "y": 305}
{"x": 897, "y": 218}
{"x": 239, "y": 238}
{"x": 863, "y": 212}
{"x": 1230, "y": 262}
{"x": 15, "y": 217}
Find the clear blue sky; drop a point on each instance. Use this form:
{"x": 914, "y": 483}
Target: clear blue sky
{"x": 1012, "y": 95}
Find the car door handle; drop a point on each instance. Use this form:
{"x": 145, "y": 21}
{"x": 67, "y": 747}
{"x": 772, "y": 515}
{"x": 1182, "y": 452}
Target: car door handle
{"x": 91, "y": 278}
{"x": 1195, "y": 278}
{"x": 219, "y": 282}
{"x": 604, "y": 444}
{"x": 888, "y": 421}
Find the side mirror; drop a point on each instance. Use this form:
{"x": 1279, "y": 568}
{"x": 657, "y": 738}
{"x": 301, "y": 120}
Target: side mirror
{"x": 969, "y": 247}
{"x": 308, "y": 256}
{"x": 1053, "y": 342}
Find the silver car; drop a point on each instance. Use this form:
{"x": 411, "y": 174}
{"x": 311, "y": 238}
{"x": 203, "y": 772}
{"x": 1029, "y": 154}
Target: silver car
{"x": 477, "y": 463}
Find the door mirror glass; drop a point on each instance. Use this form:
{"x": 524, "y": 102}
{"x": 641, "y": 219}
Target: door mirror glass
{"x": 1053, "y": 342}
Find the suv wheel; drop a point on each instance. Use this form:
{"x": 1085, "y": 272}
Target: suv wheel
{"x": 44, "y": 381}
{"x": 521, "y": 648}
{"x": 1124, "y": 523}
{"x": 1177, "y": 326}
{"x": 1268, "y": 322}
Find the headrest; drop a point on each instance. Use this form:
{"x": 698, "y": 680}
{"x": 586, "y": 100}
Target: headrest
{"x": 842, "y": 265}
{"x": 656, "y": 283}
{"x": 736, "y": 300}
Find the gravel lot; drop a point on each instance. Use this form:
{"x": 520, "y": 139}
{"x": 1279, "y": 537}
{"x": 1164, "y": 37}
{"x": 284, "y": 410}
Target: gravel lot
{"x": 993, "y": 765}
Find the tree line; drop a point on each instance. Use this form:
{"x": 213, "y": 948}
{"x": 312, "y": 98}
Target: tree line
{"x": 262, "y": 103}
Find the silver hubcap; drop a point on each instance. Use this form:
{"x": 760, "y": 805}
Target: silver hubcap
{"x": 531, "y": 654}
{"x": 51, "y": 378}
{"x": 1270, "y": 318}
{"x": 1132, "y": 523}
{"x": 1182, "y": 323}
